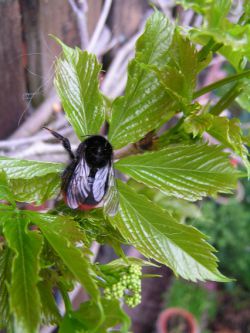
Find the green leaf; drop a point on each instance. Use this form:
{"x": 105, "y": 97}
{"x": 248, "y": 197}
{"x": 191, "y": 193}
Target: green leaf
{"x": 145, "y": 104}
{"x": 77, "y": 83}
{"x": 86, "y": 318}
{"x": 6, "y": 257}
{"x": 229, "y": 133}
{"x": 197, "y": 124}
{"x": 217, "y": 12}
{"x": 120, "y": 264}
{"x": 244, "y": 99}
{"x": 36, "y": 190}
{"x": 64, "y": 237}
{"x": 5, "y": 192}
{"x": 235, "y": 38}
{"x": 179, "y": 76}
{"x": 71, "y": 324}
{"x": 32, "y": 181}
{"x": 49, "y": 310}
{"x": 200, "y": 6}
{"x": 24, "y": 169}
{"x": 245, "y": 18}
{"x": 23, "y": 291}
{"x": 188, "y": 172}
{"x": 157, "y": 235}
{"x": 179, "y": 208}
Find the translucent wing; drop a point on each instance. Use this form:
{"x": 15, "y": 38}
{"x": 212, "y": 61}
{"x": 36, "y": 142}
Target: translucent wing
{"x": 111, "y": 199}
{"x": 100, "y": 183}
{"x": 78, "y": 188}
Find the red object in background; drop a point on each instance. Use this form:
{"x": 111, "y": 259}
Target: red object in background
{"x": 37, "y": 208}
{"x": 234, "y": 162}
{"x": 169, "y": 315}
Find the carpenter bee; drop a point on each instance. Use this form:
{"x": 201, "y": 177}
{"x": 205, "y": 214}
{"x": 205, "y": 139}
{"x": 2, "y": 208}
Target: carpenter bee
{"x": 89, "y": 179}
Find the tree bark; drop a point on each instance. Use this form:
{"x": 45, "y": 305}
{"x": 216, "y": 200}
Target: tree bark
{"x": 12, "y": 82}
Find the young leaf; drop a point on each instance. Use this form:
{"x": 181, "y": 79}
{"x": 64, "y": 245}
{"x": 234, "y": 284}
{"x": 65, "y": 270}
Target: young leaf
{"x": 225, "y": 130}
{"x": 120, "y": 264}
{"x": 145, "y": 104}
{"x": 6, "y": 257}
{"x": 71, "y": 324}
{"x": 65, "y": 238}
{"x": 188, "y": 172}
{"x": 23, "y": 291}
{"x": 77, "y": 84}
{"x": 5, "y": 192}
{"x": 49, "y": 310}
{"x": 217, "y": 12}
{"x": 244, "y": 99}
{"x": 200, "y": 6}
{"x": 233, "y": 37}
{"x": 228, "y": 132}
{"x": 197, "y": 124}
{"x": 178, "y": 77}
{"x": 86, "y": 318}
{"x": 157, "y": 235}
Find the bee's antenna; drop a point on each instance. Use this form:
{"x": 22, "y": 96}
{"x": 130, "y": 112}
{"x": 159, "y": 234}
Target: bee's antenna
{"x": 65, "y": 141}
{"x": 104, "y": 129}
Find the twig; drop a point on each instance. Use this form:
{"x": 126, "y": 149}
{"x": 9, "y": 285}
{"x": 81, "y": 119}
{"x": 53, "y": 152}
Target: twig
{"x": 118, "y": 67}
{"x": 38, "y": 118}
{"x": 101, "y": 21}
{"x": 40, "y": 148}
{"x": 130, "y": 149}
{"x": 166, "y": 6}
{"x": 80, "y": 10}
{"x": 109, "y": 46}
{"x": 12, "y": 144}
{"x": 114, "y": 73}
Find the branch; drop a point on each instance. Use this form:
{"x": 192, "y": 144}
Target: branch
{"x": 130, "y": 149}
{"x": 118, "y": 68}
{"x": 10, "y": 144}
{"x": 80, "y": 10}
{"x": 146, "y": 143}
{"x": 221, "y": 83}
{"x": 39, "y": 118}
{"x": 100, "y": 25}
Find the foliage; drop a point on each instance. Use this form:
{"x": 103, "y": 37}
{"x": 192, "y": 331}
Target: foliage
{"x": 193, "y": 298}
{"x": 44, "y": 251}
{"x": 233, "y": 38}
{"x": 228, "y": 227}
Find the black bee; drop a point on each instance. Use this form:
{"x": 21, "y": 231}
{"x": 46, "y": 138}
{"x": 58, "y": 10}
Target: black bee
{"x": 89, "y": 179}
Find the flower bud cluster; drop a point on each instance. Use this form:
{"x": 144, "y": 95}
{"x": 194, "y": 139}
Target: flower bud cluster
{"x": 128, "y": 287}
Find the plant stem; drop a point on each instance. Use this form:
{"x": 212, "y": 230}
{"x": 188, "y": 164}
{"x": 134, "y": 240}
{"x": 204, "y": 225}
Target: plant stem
{"x": 65, "y": 296}
{"x": 227, "y": 99}
{"x": 210, "y": 46}
{"x": 221, "y": 83}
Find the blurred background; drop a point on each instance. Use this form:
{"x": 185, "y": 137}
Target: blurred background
{"x": 28, "y": 102}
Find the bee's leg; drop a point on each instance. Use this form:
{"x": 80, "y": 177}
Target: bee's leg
{"x": 65, "y": 142}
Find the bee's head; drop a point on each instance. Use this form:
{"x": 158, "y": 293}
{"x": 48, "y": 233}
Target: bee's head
{"x": 98, "y": 151}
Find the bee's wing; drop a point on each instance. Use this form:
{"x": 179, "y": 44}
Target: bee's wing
{"x": 100, "y": 183}
{"x": 111, "y": 199}
{"x": 78, "y": 188}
